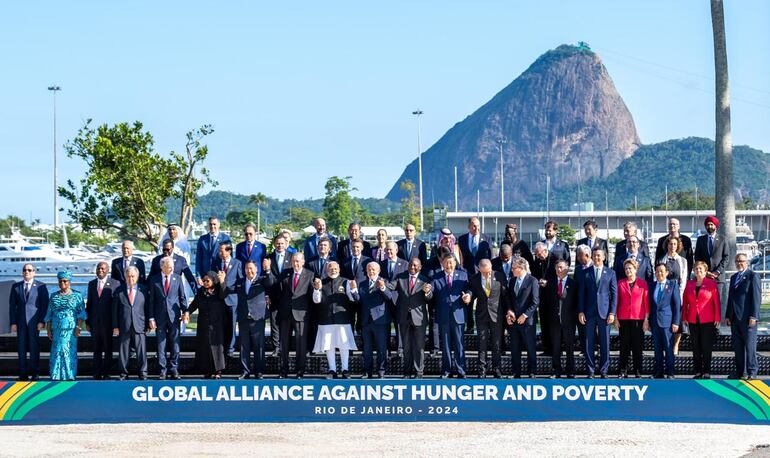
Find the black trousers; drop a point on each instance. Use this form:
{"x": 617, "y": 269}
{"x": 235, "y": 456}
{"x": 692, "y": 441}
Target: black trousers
{"x": 413, "y": 338}
{"x": 27, "y": 335}
{"x": 562, "y": 332}
{"x": 469, "y": 317}
{"x": 275, "y": 330}
{"x": 631, "y": 341}
{"x": 544, "y": 315}
{"x": 102, "y": 337}
{"x": 127, "y": 340}
{"x": 434, "y": 335}
{"x": 490, "y": 337}
{"x": 289, "y": 325}
{"x": 703, "y": 336}
{"x": 523, "y": 335}
{"x": 375, "y": 336}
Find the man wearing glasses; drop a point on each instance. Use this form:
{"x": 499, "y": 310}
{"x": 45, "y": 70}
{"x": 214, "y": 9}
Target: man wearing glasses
{"x": 411, "y": 247}
{"x": 28, "y": 307}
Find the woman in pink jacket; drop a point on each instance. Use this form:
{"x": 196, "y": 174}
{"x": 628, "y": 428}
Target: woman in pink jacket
{"x": 632, "y": 319}
{"x": 702, "y": 312}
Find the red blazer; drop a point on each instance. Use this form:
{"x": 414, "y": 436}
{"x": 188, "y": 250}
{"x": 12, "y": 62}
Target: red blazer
{"x": 633, "y": 304}
{"x": 706, "y": 305}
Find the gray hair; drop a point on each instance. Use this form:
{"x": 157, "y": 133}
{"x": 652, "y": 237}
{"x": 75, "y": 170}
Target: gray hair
{"x": 392, "y": 244}
{"x": 485, "y": 263}
{"x": 540, "y": 246}
{"x": 166, "y": 260}
{"x": 518, "y": 261}
{"x": 584, "y": 249}
{"x": 132, "y": 269}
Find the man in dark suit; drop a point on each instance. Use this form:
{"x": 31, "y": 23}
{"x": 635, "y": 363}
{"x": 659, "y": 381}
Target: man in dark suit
{"x": 521, "y": 317}
{"x": 251, "y": 249}
{"x": 592, "y": 239}
{"x": 411, "y": 247}
{"x": 563, "y": 295}
{"x": 311, "y": 243}
{"x": 597, "y": 304}
{"x": 633, "y": 251}
{"x": 743, "y": 301}
{"x": 28, "y": 305}
{"x": 294, "y": 303}
{"x": 474, "y": 246}
{"x": 713, "y": 249}
{"x": 558, "y": 248}
{"x": 132, "y": 318}
{"x": 582, "y": 264}
{"x": 544, "y": 271}
{"x": 181, "y": 267}
{"x": 99, "y": 319}
{"x": 344, "y": 249}
{"x": 280, "y": 263}
{"x": 229, "y": 271}
{"x": 119, "y": 265}
{"x": 355, "y": 269}
{"x": 630, "y": 230}
{"x": 451, "y": 293}
{"x": 207, "y": 253}
{"x": 685, "y": 245}
{"x": 490, "y": 289}
{"x": 375, "y": 299}
{"x": 169, "y": 303}
{"x": 391, "y": 268}
{"x": 503, "y": 262}
{"x": 252, "y": 292}
{"x": 412, "y": 290}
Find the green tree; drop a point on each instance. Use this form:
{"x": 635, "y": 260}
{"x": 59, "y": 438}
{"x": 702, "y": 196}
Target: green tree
{"x": 410, "y": 210}
{"x": 195, "y": 154}
{"x": 258, "y": 199}
{"x": 339, "y": 205}
{"x": 566, "y": 233}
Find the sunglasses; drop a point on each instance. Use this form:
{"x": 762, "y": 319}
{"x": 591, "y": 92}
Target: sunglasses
{"x": 27, "y": 270}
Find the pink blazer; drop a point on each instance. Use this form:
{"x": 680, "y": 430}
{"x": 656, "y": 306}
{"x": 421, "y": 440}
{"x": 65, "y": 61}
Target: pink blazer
{"x": 705, "y": 305}
{"x": 633, "y": 304}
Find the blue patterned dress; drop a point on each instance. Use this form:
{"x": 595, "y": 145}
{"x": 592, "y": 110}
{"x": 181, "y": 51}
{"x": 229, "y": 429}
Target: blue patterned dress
{"x": 64, "y": 311}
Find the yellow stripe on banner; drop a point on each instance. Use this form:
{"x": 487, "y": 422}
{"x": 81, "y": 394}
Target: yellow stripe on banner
{"x": 760, "y": 388}
{"x": 11, "y": 394}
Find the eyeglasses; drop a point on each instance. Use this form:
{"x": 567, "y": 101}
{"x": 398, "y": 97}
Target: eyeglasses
{"x": 27, "y": 270}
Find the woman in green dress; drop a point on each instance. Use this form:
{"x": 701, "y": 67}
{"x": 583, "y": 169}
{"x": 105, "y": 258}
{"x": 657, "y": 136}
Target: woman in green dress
{"x": 66, "y": 313}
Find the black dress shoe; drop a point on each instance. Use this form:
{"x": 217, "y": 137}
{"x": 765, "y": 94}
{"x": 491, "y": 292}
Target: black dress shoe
{"x": 434, "y": 353}
{"x": 400, "y": 353}
{"x": 22, "y": 378}
{"x": 123, "y": 377}
{"x": 570, "y": 376}
{"x": 733, "y": 377}
{"x": 331, "y": 375}
{"x": 751, "y": 377}
{"x": 106, "y": 377}
{"x": 418, "y": 376}
{"x": 345, "y": 374}
{"x": 368, "y": 376}
{"x": 445, "y": 375}
{"x": 142, "y": 377}
{"x": 591, "y": 376}
{"x": 637, "y": 375}
{"x": 697, "y": 376}
{"x": 482, "y": 374}
{"x": 603, "y": 376}
{"x": 516, "y": 375}
{"x": 498, "y": 374}
{"x": 623, "y": 374}
{"x": 35, "y": 378}
{"x": 175, "y": 377}
{"x": 282, "y": 375}
{"x": 162, "y": 377}
{"x": 657, "y": 376}
{"x": 531, "y": 376}
{"x": 670, "y": 376}
{"x": 299, "y": 376}
{"x": 259, "y": 376}
{"x": 460, "y": 375}
{"x": 243, "y": 376}
{"x": 706, "y": 375}
{"x": 381, "y": 374}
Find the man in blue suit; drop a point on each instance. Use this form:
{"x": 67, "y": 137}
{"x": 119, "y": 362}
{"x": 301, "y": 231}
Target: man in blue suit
{"x": 311, "y": 243}
{"x": 207, "y": 253}
{"x": 474, "y": 246}
{"x": 525, "y": 298}
{"x": 181, "y": 267}
{"x": 375, "y": 299}
{"x": 452, "y": 293}
{"x": 391, "y": 269}
{"x": 597, "y": 304}
{"x": 169, "y": 303}
{"x": 633, "y": 251}
{"x": 251, "y": 249}
{"x": 28, "y": 305}
{"x": 743, "y": 300}
{"x": 665, "y": 316}
{"x": 121, "y": 264}
{"x": 252, "y": 291}
{"x": 132, "y": 318}
{"x": 229, "y": 271}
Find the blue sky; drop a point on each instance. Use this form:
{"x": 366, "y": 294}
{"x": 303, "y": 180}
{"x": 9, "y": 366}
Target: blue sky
{"x": 301, "y": 91}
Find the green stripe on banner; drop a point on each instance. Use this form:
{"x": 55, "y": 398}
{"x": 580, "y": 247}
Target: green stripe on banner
{"x": 737, "y": 384}
{"x": 725, "y": 392}
{"x": 55, "y": 390}
{"x": 30, "y": 392}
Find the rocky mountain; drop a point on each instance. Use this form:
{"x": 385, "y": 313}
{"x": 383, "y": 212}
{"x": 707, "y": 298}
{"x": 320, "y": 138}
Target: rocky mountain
{"x": 563, "y": 110}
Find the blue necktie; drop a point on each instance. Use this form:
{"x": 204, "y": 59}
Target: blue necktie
{"x": 711, "y": 246}
{"x": 659, "y": 296}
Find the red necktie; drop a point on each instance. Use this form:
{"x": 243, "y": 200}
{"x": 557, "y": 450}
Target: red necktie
{"x": 224, "y": 267}
{"x": 411, "y": 284}
{"x": 449, "y": 281}
{"x": 248, "y": 253}
{"x": 131, "y": 296}
{"x": 99, "y": 289}
{"x": 165, "y": 287}
{"x": 561, "y": 287}
{"x": 296, "y": 280}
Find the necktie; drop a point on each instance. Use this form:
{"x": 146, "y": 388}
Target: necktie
{"x": 390, "y": 269}
{"x": 487, "y": 286}
{"x": 411, "y": 284}
{"x": 247, "y": 286}
{"x": 131, "y": 296}
{"x": 408, "y": 249}
{"x": 561, "y": 288}
{"x": 166, "y": 285}
{"x": 474, "y": 246}
{"x": 517, "y": 286}
{"x": 279, "y": 261}
{"x": 507, "y": 270}
{"x": 591, "y": 243}
{"x": 296, "y": 280}
{"x": 711, "y": 245}
{"x": 449, "y": 281}
{"x": 321, "y": 264}
{"x": 355, "y": 266}
{"x": 224, "y": 267}
{"x": 99, "y": 288}
{"x": 248, "y": 252}
{"x": 659, "y": 296}
{"x": 598, "y": 274}
{"x": 26, "y": 292}
{"x": 126, "y": 263}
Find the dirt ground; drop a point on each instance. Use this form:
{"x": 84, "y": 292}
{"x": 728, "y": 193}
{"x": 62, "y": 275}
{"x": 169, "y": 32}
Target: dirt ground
{"x": 385, "y": 439}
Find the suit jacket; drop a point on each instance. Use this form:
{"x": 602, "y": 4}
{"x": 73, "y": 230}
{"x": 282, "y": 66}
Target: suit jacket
{"x": 167, "y": 306}
{"x": 598, "y": 301}
{"x": 295, "y": 302}
{"x": 335, "y": 306}
{"x": 419, "y": 251}
{"x": 565, "y": 306}
{"x": 207, "y": 253}
{"x": 449, "y": 307}
{"x": 520, "y": 249}
{"x": 685, "y": 250}
{"x": 705, "y": 304}
{"x": 484, "y": 251}
{"x": 253, "y": 302}
{"x": 232, "y": 275}
{"x": 311, "y": 245}
{"x": 412, "y": 307}
{"x": 561, "y": 250}
{"x": 644, "y": 272}
{"x": 527, "y": 300}
{"x": 32, "y": 309}
{"x": 360, "y": 274}
{"x": 621, "y": 250}
{"x": 344, "y": 253}
{"x": 318, "y": 270}
{"x": 719, "y": 257}
{"x": 669, "y": 310}
{"x": 375, "y": 303}
{"x": 498, "y": 266}
{"x": 544, "y": 269}
{"x": 598, "y": 242}
{"x": 258, "y": 254}
{"x": 285, "y": 265}
{"x": 399, "y": 267}
{"x": 99, "y": 309}
{"x": 490, "y": 308}
{"x": 180, "y": 268}
{"x": 633, "y": 303}
{"x": 117, "y": 272}
{"x": 744, "y": 297}
{"x": 127, "y": 316}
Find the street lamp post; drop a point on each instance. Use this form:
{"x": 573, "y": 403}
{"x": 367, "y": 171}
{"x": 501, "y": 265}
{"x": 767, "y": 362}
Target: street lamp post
{"x": 501, "y": 141}
{"x": 55, "y": 88}
{"x": 418, "y": 113}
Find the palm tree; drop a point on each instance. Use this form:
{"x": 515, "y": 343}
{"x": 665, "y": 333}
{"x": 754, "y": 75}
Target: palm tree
{"x": 258, "y": 199}
{"x": 723, "y": 144}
